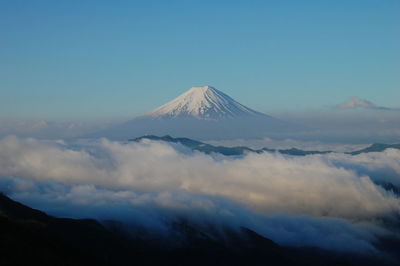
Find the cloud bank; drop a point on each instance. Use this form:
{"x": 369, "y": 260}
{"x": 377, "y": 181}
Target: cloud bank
{"x": 331, "y": 201}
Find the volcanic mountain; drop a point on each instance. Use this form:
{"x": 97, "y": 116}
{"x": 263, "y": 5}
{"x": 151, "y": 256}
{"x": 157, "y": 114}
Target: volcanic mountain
{"x": 206, "y": 103}
{"x": 203, "y": 113}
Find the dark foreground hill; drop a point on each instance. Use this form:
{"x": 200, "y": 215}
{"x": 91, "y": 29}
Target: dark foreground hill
{"x": 30, "y": 237}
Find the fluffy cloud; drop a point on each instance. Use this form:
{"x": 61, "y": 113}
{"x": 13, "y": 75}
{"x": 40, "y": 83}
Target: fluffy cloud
{"x": 153, "y": 213}
{"x": 320, "y": 199}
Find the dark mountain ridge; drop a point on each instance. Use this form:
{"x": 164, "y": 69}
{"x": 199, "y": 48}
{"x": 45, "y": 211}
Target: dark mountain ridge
{"x": 240, "y": 150}
{"x": 31, "y": 237}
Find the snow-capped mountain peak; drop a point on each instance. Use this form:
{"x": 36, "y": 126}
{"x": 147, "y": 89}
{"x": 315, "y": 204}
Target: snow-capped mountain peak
{"x": 201, "y": 113}
{"x": 203, "y": 102}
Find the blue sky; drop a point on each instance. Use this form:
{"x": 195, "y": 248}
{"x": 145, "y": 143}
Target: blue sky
{"x": 93, "y": 59}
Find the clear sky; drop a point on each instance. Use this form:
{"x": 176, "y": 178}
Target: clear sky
{"x": 122, "y": 58}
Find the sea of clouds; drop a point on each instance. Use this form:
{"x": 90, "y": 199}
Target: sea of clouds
{"x": 333, "y": 201}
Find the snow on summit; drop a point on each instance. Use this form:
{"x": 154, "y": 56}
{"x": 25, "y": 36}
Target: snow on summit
{"x": 203, "y": 102}
{"x": 201, "y": 113}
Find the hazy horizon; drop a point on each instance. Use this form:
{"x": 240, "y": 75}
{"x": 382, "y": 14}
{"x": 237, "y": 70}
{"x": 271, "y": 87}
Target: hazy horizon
{"x": 356, "y": 121}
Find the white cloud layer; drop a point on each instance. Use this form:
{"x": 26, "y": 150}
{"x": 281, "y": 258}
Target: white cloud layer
{"x": 328, "y": 200}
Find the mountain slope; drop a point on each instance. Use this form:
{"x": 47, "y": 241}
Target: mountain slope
{"x": 31, "y": 237}
{"x": 203, "y": 103}
{"x": 202, "y": 113}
